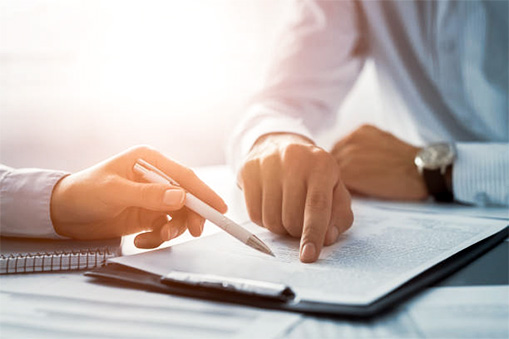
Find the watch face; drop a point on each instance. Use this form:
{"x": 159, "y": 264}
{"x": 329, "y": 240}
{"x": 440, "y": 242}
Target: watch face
{"x": 435, "y": 156}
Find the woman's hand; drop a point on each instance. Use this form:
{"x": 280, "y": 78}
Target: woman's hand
{"x": 110, "y": 200}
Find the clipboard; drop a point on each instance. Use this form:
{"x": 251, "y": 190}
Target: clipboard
{"x": 280, "y": 297}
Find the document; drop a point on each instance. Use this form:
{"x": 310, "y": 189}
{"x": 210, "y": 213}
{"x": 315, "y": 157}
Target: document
{"x": 495, "y": 212}
{"x": 444, "y": 312}
{"x": 462, "y": 312}
{"x": 383, "y": 250}
{"x": 64, "y": 305}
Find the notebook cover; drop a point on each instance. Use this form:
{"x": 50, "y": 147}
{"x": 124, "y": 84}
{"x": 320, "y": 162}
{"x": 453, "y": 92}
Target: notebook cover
{"x": 27, "y": 255}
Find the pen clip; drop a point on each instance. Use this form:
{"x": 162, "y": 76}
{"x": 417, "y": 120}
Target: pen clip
{"x": 142, "y": 167}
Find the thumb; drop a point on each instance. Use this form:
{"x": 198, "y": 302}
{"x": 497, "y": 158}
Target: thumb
{"x": 154, "y": 197}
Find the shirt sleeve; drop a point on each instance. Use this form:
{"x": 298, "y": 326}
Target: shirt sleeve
{"x": 481, "y": 173}
{"x": 25, "y": 202}
{"x": 317, "y": 60}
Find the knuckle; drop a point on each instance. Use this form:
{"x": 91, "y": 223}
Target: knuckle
{"x": 347, "y": 220}
{"x": 269, "y": 162}
{"x": 294, "y": 151}
{"x": 326, "y": 164}
{"x": 326, "y": 167}
{"x": 142, "y": 149}
{"x": 319, "y": 152}
{"x": 145, "y": 193}
{"x": 273, "y": 223}
{"x": 111, "y": 182}
{"x": 294, "y": 230}
{"x": 345, "y": 217}
{"x": 277, "y": 229}
{"x": 317, "y": 201}
{"x": 248, "y": 171}
{"x": 313, "y": 231}
{"x": 251, "y": 166}
{"x": 366, "y": 128}
{"x": 188, "y": 173}
{"x": 255, "y": 216}
{"x": 290, "y": 223}
{"x": 294, "y": 156}
{"x": 351, "y": 152}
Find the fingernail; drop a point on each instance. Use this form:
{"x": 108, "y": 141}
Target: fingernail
{"x": 140, "y": 243}
{"x": 225, "y": 207}
{"x": 308, "y": 252}
{"x": 174, "y": 197}
{"x": 332, "y": 235}
{"x": 173, "y": 232}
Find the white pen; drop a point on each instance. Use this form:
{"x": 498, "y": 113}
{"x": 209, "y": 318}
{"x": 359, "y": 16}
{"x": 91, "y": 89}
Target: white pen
{"x": 155, "y": 175}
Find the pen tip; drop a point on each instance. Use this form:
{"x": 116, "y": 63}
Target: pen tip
{"x": 259, "y": 245}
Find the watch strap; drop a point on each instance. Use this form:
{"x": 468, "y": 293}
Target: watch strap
{"x": 437, "y": 187}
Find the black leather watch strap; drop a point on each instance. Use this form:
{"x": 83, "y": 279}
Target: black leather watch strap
{"x": 437, "y": 187}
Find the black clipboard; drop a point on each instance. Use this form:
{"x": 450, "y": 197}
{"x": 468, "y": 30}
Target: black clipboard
{"x": 282, "y": 297}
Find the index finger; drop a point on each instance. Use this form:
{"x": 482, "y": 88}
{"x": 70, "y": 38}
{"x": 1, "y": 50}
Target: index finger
{"x": 184, "y": 176}
{"x": 317, "y": 214}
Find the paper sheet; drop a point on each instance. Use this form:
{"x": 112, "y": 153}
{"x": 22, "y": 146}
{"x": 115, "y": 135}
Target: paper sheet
{"x": 68, "y": 305}
{"x": 450, "y": 312}
{"x": 462, "y": 312}
{"x": 383, "y": 250}
{"x": 495, "y": 212}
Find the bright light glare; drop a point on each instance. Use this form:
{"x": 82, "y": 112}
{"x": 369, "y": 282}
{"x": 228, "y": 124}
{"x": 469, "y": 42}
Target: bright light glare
{"x": 100, "y": 76}
{"x": 168, "y": 51}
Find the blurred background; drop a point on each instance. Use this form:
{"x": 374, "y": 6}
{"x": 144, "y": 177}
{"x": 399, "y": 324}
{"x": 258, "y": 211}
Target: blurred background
{"x": 83, "y": 80}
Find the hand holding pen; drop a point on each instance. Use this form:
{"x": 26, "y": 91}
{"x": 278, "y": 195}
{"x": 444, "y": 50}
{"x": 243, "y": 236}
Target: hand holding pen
{"x": 155, "y": 175}
{"x": 110, "y": 200}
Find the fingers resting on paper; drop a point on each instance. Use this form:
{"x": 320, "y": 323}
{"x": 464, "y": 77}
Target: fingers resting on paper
{"x": 293, "y": 187}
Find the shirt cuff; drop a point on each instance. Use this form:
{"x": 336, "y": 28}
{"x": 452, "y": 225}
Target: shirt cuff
{"x": 259, "y": 121}
{"x": 25, "y": 196}
{"x": 480, "y": 173}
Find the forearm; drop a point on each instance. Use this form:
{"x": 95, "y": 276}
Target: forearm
{"x": 315, "y": 65}
{"x": 481, "y": 173}
{"x": 25, "y": 196}
{"x": 261, "y": 120}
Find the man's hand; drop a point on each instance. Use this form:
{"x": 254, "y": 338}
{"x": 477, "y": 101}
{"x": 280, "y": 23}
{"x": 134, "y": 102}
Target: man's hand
{"x": 293, "y": 187}
{"x": 110, "y": 199}
{"x": 375, "y": 163}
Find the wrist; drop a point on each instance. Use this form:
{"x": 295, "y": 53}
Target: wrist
{"x": 58, "y": 206}
{"x": 434, "y": 163}
{"x": 281, "y": 139}
{"x": 420, "y": 190}
{"x": 448, "y": 178}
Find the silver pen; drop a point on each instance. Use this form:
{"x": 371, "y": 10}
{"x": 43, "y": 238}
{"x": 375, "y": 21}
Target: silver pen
{"x": 155, "y": 175}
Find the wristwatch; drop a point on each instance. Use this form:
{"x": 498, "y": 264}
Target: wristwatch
{"x": 433, "y": 162}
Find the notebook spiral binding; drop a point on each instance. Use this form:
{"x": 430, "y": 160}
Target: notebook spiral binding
{"x": 54, "y": 261}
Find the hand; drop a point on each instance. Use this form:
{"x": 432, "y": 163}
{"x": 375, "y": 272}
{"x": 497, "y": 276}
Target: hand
{"x": 108, "y": 200}
{"x": 293, "y": 187}
{"x": 375, "y": 163}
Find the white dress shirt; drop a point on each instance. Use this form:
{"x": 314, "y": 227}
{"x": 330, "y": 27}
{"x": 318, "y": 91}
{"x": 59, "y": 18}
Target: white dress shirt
{"x": 441, "y": 63}
{"x": 25, "y": 196}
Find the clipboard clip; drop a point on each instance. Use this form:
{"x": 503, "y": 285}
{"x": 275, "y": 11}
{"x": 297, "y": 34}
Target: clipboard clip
{"x": 236, "y": 286}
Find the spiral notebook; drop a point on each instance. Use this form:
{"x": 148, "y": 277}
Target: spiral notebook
{"x": 22, "y": 255}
